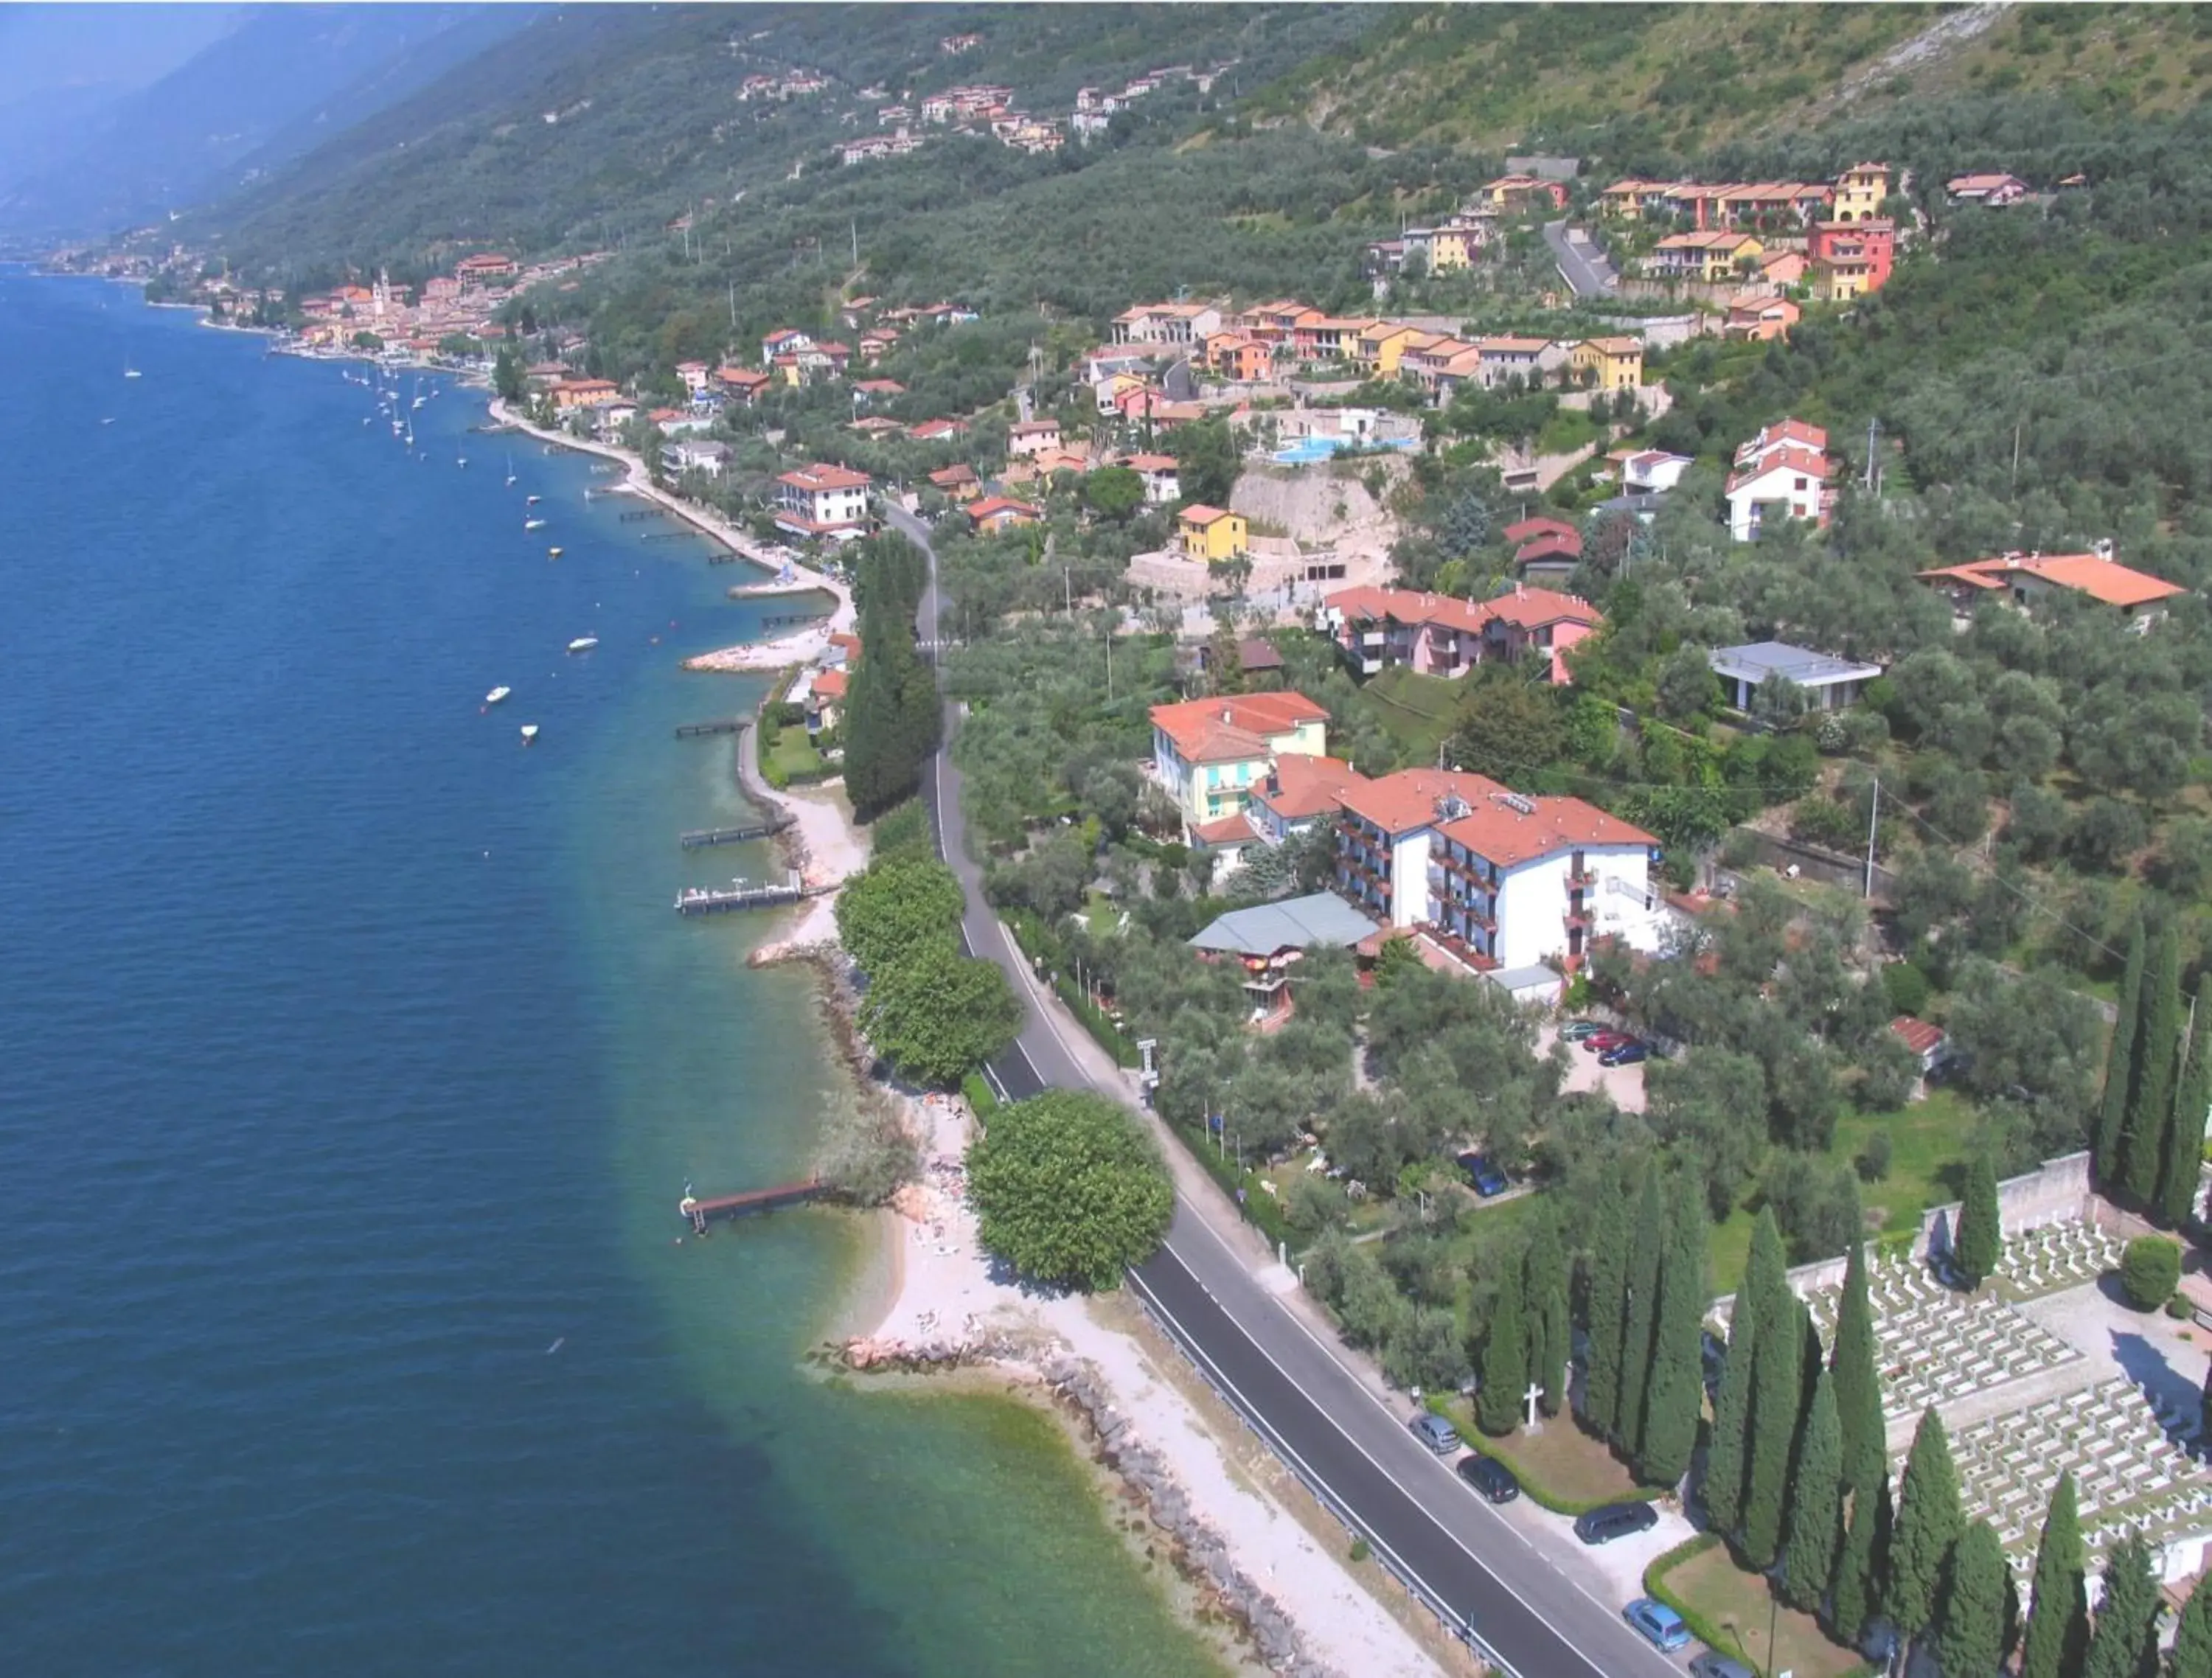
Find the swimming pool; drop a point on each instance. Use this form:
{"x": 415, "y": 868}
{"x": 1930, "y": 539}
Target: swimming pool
{"x": 1307, "y": 450}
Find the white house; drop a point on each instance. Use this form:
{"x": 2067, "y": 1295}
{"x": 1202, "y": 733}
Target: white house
{"x": 1653, "y": 472}
{"x": 1159, "y": 473}
{"x": 1829, "y": 685}
{"x": 823, "y": 500}
{"x": 691, "y": 455}
{"x": 1784, "y": 472}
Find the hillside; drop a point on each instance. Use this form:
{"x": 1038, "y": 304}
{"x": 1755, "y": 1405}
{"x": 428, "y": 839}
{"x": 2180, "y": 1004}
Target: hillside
{"x": 1647, "y": 84}
{"x": 598, "y": 125}
{"x": 280, "y": 81}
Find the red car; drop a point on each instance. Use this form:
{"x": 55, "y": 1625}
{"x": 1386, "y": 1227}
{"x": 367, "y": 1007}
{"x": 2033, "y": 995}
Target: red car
{"x": 1601, "y": 1040}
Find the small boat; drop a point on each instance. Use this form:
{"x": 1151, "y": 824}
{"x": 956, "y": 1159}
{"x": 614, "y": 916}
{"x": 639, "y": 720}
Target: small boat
{"x": 460, "y": 459}
{"x": 510, "y": 470}
{"x": 552, "y": 553}
{"x": 529, "y": 733}
{"x": 583, "y": 643}
{"x": 533, "y": 523}
{"x": 130, "y": 372}
{"x": 496, "y": 694}
{"x": 527, "y": 500}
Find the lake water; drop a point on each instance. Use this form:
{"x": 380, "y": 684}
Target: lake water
{"x": 352, "y": 1062}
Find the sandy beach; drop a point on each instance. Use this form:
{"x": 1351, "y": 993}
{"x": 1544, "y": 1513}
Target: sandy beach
{"x": 949, "y": 1298}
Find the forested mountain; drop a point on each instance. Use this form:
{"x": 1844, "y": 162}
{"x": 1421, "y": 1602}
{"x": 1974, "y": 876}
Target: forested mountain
{"x": 276, "y": 84}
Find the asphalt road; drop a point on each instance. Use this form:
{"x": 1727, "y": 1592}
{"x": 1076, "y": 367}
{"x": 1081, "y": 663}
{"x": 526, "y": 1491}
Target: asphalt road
{"x": 1582, "y": 265}
{"x": 1356, "y": 1453}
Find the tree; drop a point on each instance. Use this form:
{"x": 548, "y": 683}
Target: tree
{"x": 941, "y": 1017}
{"x": 1605, "y": 1296}
{"x": 2156, "y": 1049}
{"x": 2151, "y": 1270}
{"x": 1206, "y": 460}
{"x": 1726, "y": 1452}
{"x": 1929, "y": 1522}
{"x": 1858, "y": 1382}
{"x": 1980, "y": 1238}
{"x": 1970, "y": 1630}
{"x": 1816, "y": 1501}
{"x": 1778, "y": 1393}
{"x": 2182, "y": 1156}
{"x": 2059, "y": 1619}
{"x": 1067, "y": 1189}
{"x": 1550, "y": 1334}
{"x": 1687, "y": 684}
{"x": 1114, "y": 492}
{"x": 2192, "y": 1639}
{"x": 894, "y": 908}
{"x": 1504, "y": 1366}
{"x": 1674, "y": 1398}
{"x": 507, "y": 374}
{"x": 1856, "y": 1594}
{"x": 1640, "y": 1317}
{"x": 2119, "y": 1065}
{"x": 1509, "y": 729}
{"x": 2124, "y": 1642}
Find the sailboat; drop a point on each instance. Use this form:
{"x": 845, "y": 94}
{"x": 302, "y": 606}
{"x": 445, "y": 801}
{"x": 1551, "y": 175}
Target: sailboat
{"x": 460, "y": 459}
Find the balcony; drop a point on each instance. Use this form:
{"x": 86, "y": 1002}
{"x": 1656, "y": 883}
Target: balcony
{"x": 1582, "y": 880}
{"x": 1580, "y": 918}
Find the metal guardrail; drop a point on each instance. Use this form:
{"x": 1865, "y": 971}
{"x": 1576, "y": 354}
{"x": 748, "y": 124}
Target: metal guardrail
{"x": 1454, "y": 1623}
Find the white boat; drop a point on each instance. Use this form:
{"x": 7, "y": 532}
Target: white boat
{"x": 130, "y": 372}
{"x": 460, "y": 459}
{"x": 510, "y": 471}
{"x": 583, "y": 643}
{"x": 533, "y": 523}
{"x": 529, "y": 732}
{"x": 552, "y": 553}
{"x": 496, "y": 694}
{"x": 527, "y": 500}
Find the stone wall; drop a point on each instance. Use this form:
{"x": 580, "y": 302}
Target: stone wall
{"x": 2057, "y": 1192}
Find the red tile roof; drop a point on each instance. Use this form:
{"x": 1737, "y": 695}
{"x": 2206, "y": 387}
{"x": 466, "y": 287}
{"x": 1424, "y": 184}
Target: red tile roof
{"x": 1233, "y": 727}
{"x": 1916, "y": 1035}
{"x": 1786, "y": 459}
{"x": 819, "y": 477}
{"x": 2106, "y": 580}
{"x": 1401, "y": 802}
{"x": 1528, "y": 529}
{"x": 1202, "y": 515}
{"x": 1298, "y": 787}
{"x": 829, "y": 684}
{"x": 1000, "y": 507}
{"x": 1508, "y": 830}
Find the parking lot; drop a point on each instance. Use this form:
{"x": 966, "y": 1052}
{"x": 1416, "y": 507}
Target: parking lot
{"x": 1624, "y": 1084}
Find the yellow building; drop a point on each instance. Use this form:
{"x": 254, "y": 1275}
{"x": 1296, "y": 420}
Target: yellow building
{"x": 1448, "y": 248}
{"x": 1212, "y": 756}
{"x": 1384, "y": 344}
{"x": 1860, "y": 191}
{"x": 1211, "y": 534}
{"x": 1714, "y": 257}
{"x": 1616, "y": 363}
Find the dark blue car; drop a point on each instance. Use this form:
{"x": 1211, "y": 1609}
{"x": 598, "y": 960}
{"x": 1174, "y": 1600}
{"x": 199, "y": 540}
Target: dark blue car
{"x": 1627, "y": 1054}
{"x": 1487, "y": 1179}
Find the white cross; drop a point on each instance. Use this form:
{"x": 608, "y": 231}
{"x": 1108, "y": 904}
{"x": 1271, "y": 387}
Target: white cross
{"x": 1535, "y": 1391}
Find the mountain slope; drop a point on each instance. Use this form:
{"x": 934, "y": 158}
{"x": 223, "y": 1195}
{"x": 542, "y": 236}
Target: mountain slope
{"x": 190, "y": 134}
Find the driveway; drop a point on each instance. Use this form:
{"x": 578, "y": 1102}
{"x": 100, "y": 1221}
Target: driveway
{"x": 1582, "y": 263}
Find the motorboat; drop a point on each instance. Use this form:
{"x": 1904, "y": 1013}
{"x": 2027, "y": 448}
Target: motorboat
{"x": 533, "y": 523}
{"x": 552, "y": 553}
{"x": 496, "y": 694}
{"x": 529, "y": 733}
{"x": 583, "y": 643}
{"x": 528, "y": 501}
{"x": 130, "y": 372}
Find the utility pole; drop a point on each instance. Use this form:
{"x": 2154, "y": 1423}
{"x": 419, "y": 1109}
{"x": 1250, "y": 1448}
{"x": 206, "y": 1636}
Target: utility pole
{"x": 2016, "y": 455}
{"x": 1873, "y": 816}
{"x": 1873, "y": 433}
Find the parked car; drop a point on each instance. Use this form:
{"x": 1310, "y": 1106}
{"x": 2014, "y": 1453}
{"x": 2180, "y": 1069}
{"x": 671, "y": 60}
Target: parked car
{"x": 1490, "y": 1477}
{"x": 1610, "y": 1520}
{"x": 1598, "y": 1042}
{"x": 1626, "y": 1054}
{"x": 1657, "y": 1623}
{"x": 1575, "y": 1030}
{"x": 1487, "y": 1179}
{"x": 1437, "y": 1434}
{"x": 1710, "y": 1663}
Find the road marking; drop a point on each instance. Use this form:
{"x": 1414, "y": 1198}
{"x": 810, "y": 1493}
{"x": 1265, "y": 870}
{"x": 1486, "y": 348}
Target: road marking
{"x": 1382, "y": 1404}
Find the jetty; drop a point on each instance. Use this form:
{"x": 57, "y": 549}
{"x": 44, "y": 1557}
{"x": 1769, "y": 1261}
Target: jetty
{"x": 741, "y": 894}
{"x": 700, "y": 837}
{"x": 633, "y": 517}
{"x": 780, "y": 591}
{"x": 778, "y": 620}
{"x": 687, "y": 534}
{"x": 697, "y": 1210}
{"x": 685, "y": 730}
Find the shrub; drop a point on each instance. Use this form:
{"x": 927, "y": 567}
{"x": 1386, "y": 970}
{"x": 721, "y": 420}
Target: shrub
{"x": 2151, "y": 1270}
{"x": 1873, "y": 1162}
{"x": 1906, "y": 988}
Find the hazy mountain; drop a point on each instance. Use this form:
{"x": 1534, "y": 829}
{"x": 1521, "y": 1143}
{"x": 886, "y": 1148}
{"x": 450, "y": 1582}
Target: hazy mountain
{"x": 281, "y": 82}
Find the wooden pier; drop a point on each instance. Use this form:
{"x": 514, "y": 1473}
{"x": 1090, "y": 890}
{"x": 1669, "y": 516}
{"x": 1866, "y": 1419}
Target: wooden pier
{"x": 696, "y": 1211}
{"x": 778, "y": 620}
{"x": 687, "y": 534}
{"x": 740, "y": 895}
{"x": 685, "y": 730}
{"x": 632, "y": 518}
{"x": 699, "y": 838}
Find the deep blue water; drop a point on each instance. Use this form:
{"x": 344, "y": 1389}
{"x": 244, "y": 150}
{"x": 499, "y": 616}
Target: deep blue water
{"x": 351, "y": 1061}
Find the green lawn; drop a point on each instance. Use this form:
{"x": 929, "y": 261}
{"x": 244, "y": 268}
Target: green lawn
{"x": 1416, "y": 711}
{"x": 1561, "y": 1466}
{"x": 1737, "y": 1608}
{"x": 792, "y": 753}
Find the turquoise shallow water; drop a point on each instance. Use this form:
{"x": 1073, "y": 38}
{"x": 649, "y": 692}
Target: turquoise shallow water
{"x": 351, "y": 1061}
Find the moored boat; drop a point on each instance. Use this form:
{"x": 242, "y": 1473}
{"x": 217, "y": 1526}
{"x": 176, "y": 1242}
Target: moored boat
{"x": 583, "y": 643}
{"x": 529, "y": 733}
{"x": 533, "y": 523}
{"x": 496, "y": 694}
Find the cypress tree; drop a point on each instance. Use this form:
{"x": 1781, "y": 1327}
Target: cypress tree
{"x": 1929, "y": 1522}
{"x": 1604, "y": 1303}
{"x": 2184, "y": 1151}
{"x": 1858, "y": 1380}
{"x": 2192, "y": 1639}
{"x": 1776, "y": 1387}
{"x": 2059, "y": 1620}
{"x": 1505, "y": 1365}
{"x": 1543, "y": 1275}
{"x": 1980, "y": 1235}
{"x": 2125, "y": 1643}
{"x": 1855, "y": 1596}
{"x": 2149, "y": 1115}
{"x": 1726, "y": 1460}
{"x": 1970, "y": 1626}
{"x": 2119, "y": 1064}
{"x": 1816, "y": 1501}
{"x": 1674, "y": 1399}
{"x": 1640, "y": 1317}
